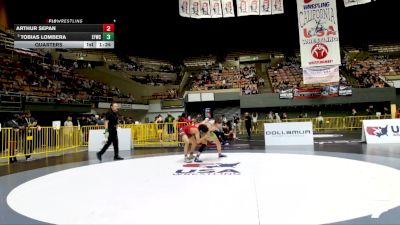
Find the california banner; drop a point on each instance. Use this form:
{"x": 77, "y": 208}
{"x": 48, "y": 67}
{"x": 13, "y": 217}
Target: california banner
{"x": 318, "y": 31}
{"x": 317, "y": 75}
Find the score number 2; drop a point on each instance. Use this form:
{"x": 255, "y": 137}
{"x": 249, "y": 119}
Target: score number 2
{"x": 108, "y": 27}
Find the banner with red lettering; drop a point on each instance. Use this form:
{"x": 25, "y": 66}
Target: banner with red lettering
{"x": 227, "y": 8}
{"x": 321, "y": 74}
{"x": 348, "y": 3}
{"x": 318, "y": 31}
{"x": 317, "y": 92}
{"x": 299, "y": 93}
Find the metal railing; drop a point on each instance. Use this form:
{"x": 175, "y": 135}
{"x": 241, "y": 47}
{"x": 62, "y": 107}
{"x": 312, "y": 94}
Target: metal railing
{"x": 45, "y": 140}
{"x": 326, "y": 123}
{"x": 84, "y": 133}
{"x": 37, "y": 141}
{"x": 155, "y": 134}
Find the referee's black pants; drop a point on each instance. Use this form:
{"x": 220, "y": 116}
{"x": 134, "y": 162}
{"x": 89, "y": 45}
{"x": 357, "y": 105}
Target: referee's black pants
{"x": 112, "y": 138}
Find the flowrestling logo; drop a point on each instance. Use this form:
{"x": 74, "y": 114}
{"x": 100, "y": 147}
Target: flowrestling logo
{"x": 208, "y": 169}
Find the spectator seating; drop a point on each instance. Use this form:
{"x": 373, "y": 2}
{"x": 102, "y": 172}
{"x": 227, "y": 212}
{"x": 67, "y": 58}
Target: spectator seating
{"x": 56, "y": 81}
{"x": 226, "y": 79}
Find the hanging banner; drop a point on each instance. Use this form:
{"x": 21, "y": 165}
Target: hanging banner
{"x": 265, "y": 7}
{"x": 318, "y": 32}
{"x": 205, "y": 11}
{"x": 277, "y": 7}
{"x": 227, "y": 8}
{"x": 345, "y": 90}
{"x": 216, "y": 8}
{"x": 286, "y": 93}
{"x": 246, "y": 8}
{"x": 299, "y": 93}
{"x": 241, "y": 7}
{"x": 195, "y": 9}
{"x": 254, "y": 7}
{"x": 184, "y": 9}
{"x": 317, "y": 75}
{"x": 330, "y": 91}
{"x": 316, "y": 92}
{"x": 348, "y": 3}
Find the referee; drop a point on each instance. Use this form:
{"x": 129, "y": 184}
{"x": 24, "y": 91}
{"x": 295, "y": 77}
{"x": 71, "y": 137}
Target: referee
{"x": 110, "y": 133}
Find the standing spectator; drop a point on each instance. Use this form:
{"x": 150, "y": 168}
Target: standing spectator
{"x": 369, "y": 112}
{"x": 159, "y": 120}
{"x": 236, "y": 124}
{"x": 199, "y": 117}
{"x": 100, "y": 121}
{"x": 284, "y": 116}
{"x": 270, "y": 115}
{"x": 277, "y": 118}
{"x": 224, "y": 119}
{"x": 169, "y": 120}
{"x": 386, "y": 111}
{"x": 353, "y": 112}
{"x": 29, "y": 123}
{"x": 371, "y": 108}
{"x": 353, "y": 120}
{"x": 320, "y": 119}
{"x": 68, "y": 130}
{"x": 14, "y": 123}
{"x": 247, "y": 122}
{"x": 254, "y": 116}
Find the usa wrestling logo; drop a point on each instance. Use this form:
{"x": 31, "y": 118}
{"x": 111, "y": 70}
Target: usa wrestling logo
{"x": 208, "y": 169}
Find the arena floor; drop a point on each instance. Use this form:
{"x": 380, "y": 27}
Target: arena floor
{"x": 339, "y": 180}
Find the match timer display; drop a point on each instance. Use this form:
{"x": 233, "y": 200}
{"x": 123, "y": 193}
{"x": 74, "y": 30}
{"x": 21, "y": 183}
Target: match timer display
{"x": 64, "y": 36}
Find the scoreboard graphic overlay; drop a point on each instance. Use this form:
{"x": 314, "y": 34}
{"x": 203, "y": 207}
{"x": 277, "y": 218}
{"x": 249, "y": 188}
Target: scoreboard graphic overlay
{"x": 95, "y": 36}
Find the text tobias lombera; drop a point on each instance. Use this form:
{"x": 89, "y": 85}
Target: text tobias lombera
{"x": 43, "y": 37}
